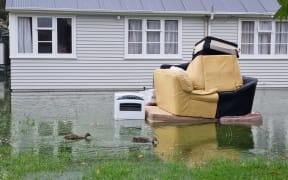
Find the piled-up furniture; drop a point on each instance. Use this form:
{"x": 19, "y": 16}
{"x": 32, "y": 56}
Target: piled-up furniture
{"x": 211, "y": 86}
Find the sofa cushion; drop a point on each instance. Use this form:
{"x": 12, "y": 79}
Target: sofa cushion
{"x": 222, "y": 72}
{"x": 215, "y": 71}
{"x": 195, "y": 73}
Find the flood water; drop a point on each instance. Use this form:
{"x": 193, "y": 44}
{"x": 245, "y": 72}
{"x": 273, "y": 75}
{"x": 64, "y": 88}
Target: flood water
{"x": 37, "y": 121}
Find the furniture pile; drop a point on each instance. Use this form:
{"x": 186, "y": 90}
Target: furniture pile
{"x": 210, "y": 86}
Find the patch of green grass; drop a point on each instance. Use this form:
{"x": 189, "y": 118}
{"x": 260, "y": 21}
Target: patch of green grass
{"x": 18, "y": 166}
{"x": 135, "y": 166}
{"x": 243, "y": 169}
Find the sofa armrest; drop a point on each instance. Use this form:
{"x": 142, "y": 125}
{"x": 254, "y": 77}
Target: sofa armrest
{"x": 248, "y": 83}
{"x": 173, "y": 78}
{"x": 238, "y": 102}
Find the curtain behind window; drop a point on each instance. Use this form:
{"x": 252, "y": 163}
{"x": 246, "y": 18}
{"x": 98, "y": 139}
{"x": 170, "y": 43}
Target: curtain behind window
{"x": 264, "y": 37}
{"x": 247, "y": 37}
{"x": 135, "y": 36}
{"x": 24, "y": 34}
{"x": 281, "y": 40}
{"x": 171, "y": 37}
{"x": 153, "y": 36}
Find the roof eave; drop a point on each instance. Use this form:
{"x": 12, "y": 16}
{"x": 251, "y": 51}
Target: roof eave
{"x": 138, "y": 12}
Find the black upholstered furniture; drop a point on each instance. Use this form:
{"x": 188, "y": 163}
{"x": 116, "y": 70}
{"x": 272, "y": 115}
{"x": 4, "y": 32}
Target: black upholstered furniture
{"x": 238, "y": 102}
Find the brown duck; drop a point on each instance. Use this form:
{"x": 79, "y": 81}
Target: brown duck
{"x": 76, "y": 137}
{"x": 154, "y": 141}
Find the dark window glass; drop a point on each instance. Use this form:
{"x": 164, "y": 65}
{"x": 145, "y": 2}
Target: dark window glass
{"x": 44, "y": 47}
{"x": 44, "y": 22}
{"x": 64, "y": 35}
{"x": 44, "y": 35}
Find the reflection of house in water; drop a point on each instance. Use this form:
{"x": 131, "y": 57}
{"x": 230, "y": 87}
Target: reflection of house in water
{"x": 40, "y": 120}
{"x": 272, "y": 136}
{"x": 5, "y": 112}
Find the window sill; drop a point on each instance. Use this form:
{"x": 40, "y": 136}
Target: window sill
{"x": 70, "y": 57}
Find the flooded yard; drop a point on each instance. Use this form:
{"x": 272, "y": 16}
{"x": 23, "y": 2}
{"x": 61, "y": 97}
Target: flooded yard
{"x": 37, "y": 122}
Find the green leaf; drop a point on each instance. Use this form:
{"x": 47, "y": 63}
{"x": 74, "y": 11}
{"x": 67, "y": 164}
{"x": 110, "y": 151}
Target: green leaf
{"x": 282, "y": 2}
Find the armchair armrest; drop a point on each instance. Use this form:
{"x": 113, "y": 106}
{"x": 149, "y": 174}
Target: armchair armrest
{"x": 249, "y": 83}
{"x": 238, "y": 102}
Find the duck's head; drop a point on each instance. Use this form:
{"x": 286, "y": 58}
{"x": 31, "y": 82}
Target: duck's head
{"x": 87, "y": 135}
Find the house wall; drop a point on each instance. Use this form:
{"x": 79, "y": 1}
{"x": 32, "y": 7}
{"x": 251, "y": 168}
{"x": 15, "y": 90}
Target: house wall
{"x": 100, "y": 62}
{"x": 271, "y": 72}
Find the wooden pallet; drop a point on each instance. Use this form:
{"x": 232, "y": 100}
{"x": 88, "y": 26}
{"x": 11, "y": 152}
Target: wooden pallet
{"x": 154, "y": 114}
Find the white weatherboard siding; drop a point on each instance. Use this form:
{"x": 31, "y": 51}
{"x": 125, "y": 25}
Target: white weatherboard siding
{"x": 192, "y": 31}
{"x": 270, "y": 72}
{"x": 225, "y": 28}
{"x": 100, "y": 62}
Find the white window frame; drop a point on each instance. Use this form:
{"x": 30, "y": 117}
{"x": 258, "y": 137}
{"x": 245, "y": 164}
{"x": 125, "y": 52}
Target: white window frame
{"x": 13, "y": 28}
{"x": 256, "y": 54}
{"x": 162, "y": 54}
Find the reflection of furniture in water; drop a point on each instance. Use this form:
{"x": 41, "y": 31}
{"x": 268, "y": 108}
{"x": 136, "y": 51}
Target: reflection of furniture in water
{"x": 194, "y": 143}
{"x": 234, "y": 136}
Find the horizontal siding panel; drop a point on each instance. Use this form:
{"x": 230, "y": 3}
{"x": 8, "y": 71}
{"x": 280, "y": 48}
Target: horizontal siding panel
{"x": 72, "y": 81}
{"x": 225, "y": 29}
{"x": 192, "y": 31}
{"x": 80, "y": 63}
{"x": 82, "y": 77}
{"x": 270, "y": 72}
{"x": 88, "y": 75}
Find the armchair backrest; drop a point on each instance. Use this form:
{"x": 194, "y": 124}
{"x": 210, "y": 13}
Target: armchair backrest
{"x": 215, "y": 71}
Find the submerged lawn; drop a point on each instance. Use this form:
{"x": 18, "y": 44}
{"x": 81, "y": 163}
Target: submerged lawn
{"x": 134, "y": 166}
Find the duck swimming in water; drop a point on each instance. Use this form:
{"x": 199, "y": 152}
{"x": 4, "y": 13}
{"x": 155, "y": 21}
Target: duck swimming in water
{"x": 76, "y": 137}
{"x": 154, "y": 141}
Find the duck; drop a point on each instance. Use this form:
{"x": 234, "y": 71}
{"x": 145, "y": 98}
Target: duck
{"x": 76, "y": 137}
{"x": 154, "y": 141}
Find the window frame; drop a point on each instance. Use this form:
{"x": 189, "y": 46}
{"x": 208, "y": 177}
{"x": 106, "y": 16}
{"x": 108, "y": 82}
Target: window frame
{"x": 256, "y": 54}
{"x": 144, "y": 54}
{"x": 13, "y": 19}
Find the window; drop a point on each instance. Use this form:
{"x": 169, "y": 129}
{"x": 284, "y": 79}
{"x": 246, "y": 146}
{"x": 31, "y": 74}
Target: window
{"x": 44, "y": 28}
{"x": 152, "y": 37}
{"x": 45, "y": 36}
{"x": 281, "y": 40}
{"x": 264, "y": 38}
